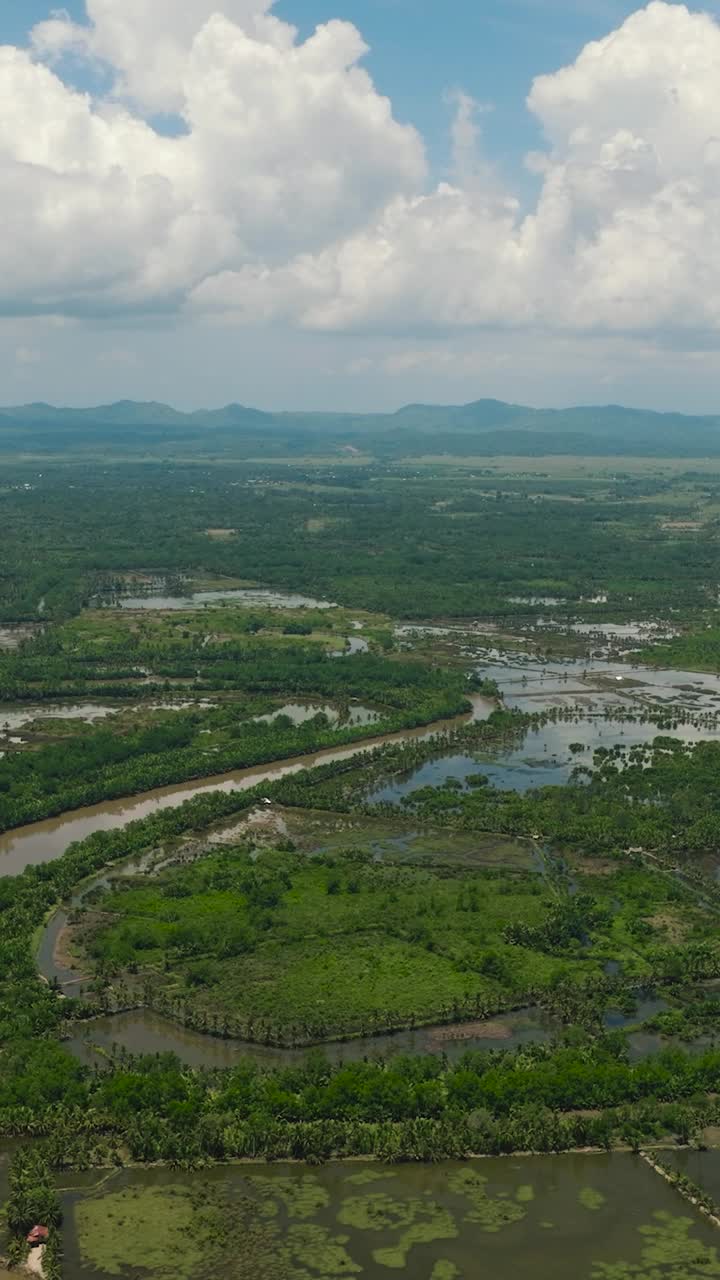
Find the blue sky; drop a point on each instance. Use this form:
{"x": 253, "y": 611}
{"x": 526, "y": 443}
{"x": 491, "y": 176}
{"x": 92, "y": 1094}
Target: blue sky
{"x": 565, "y": 284}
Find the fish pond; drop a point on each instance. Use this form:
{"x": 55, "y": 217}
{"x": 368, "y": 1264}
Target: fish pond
{"x": 603, "y": 1217}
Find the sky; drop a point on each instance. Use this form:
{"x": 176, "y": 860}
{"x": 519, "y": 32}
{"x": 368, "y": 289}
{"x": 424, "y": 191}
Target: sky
{"x": 356, "y": 204}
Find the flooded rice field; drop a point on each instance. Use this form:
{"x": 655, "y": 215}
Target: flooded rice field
{"x": 544, "y": 756}
{"x": 14, "y": 718}
{"x": 586, "y": 703}
{"x": 570, "y": 1217}
{"x": 524, "y": 678}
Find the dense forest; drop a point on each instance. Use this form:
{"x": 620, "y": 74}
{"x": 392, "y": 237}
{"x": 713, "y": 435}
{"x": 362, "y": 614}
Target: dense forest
{"x": 408, "y": 542}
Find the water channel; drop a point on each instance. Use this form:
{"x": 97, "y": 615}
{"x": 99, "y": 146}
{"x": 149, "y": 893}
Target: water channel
{"x": 142, "y": 1031}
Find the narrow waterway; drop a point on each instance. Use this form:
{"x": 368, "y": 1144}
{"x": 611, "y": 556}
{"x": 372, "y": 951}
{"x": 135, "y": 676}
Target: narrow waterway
{"x": 142, "y": 1031}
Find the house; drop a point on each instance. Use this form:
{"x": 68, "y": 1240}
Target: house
{"x": 38, "y": 1235}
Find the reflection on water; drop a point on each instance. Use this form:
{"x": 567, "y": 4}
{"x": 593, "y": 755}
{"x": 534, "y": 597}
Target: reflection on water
{"x": 300, "y": 712}
{"x": 544, "y": 756}
{"x": 569, "y": 1217}
{"x": 702, "y": 1167}
{"x": 143, "y": 1031}
{"x": 249, "y": 596}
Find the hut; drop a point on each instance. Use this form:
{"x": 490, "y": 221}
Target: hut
{"x": 38, "y": 1235}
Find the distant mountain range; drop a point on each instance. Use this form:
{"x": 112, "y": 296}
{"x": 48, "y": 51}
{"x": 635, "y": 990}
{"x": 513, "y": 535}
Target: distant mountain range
{"x": 483, "y": 428}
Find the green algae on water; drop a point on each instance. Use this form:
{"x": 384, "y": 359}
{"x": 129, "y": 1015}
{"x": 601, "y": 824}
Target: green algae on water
{"x": 366, "y": 1176}
{"x": 591, "y": 1198}
{"x": 140, "y": 1227}
{"x": 490, "y": 1213}
{"x": 378, "y": 1212}
{"x": 444, "y": 1270}
{"x": 303, "y": 1197}
{"x": 440, "y": 1225}
{"x": 325, "y": 1255}
{"x": 418, "y": 1221}
{"x": 525, "y": 1194}
{"x": 669, "y": 1253}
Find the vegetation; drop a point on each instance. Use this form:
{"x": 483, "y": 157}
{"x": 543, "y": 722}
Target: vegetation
{"x": 120, "y": 759}
{"x": 383, "y": 916}
{"x": 272, "y": 947}
{"x": 401, "y": 540}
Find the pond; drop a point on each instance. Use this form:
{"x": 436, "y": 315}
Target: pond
{"x": 603, "y": 1217}
{"x": 13, "y": 718}
{"x": 300, "y": 712}
{"x": 143, "y": 1031}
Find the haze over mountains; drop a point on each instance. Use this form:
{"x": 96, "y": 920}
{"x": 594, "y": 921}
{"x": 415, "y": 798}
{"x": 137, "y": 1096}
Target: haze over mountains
{"x": 482, "y": 428}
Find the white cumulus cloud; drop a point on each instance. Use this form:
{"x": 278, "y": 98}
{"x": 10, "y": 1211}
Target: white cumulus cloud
{"x": 284, "y": 147}
{"x": 291, "y": 193}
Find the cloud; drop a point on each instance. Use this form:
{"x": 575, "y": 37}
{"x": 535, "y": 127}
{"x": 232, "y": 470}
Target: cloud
{"x": 291, "y": 194}
{"x": 148, "y": 46}
{"x": 286, "y": 146}
{"x": 27, "y": 356}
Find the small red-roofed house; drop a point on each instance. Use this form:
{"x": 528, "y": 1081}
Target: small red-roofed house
{"x": 38, "y": 1235}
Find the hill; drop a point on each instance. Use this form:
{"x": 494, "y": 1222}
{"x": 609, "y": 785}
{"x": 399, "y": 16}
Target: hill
{"x": 483, "y": 428}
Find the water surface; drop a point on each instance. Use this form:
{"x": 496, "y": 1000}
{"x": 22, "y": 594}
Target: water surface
{"x": 251, "y": 597}
{"x": 144, "y": 1031}
{"x": 569, "y": 1217}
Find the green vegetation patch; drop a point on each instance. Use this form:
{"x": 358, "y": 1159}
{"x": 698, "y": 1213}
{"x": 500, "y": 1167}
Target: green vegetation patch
{"x": 591, "y": 1198}
{"x": 669, "y": 1252}
{"x": 275, "y": 946}
{"x": 148, "y": 1228}
{"x": 490, "y": 1213}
